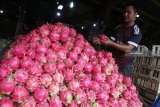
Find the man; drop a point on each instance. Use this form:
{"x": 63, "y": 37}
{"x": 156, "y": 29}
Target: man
{"x": 125, "y": 41}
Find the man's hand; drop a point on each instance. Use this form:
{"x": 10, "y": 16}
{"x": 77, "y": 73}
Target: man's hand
{"x": 96, "y": 41}
{"x": 106, "y": 42}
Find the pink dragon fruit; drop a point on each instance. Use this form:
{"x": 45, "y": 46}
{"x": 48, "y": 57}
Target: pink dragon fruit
{"x": 51, "y": 56}
{"x": 14, "y": 62}
{"x": 68, "y": 75}
{"x": 58, "y": 77}
{"x": 74, "y": 85}
{"x": 21, "y": 75}
{"x": 108, "y": 55}
{"x": 81, "y": 97}
{"x": 46, "y": 79}
{"x": 69, "y": 62}
{"x": 73, "y": 56}
{"x": 106, "y": 70}
{"x": 6, "y": 102}
{"x": 4, "y": 71}
{"x": 78, "y": 68}
{"x": 26, "y": 62}
{"x": 132, "y": 88}
{"x": 106, "y": 87}
{"x": 54, "y": 36}
{"x": 56, "y": 46}
{"x": 85, "y": 83}
{"x": 44, "y": 30}
{"x": 72, "y": 32}
{"x": 88, "y": 68}
{"x": 35, "y": 70}
{"x": 41, "y": 49}
{"x": 55, "y": 102}
{"x": 46, "y": 42}
{"x": 95, "y": 86}
{"x": 113, "y": 102}
{"x": 19, "y": 50}
{"x": 127, "y": 81}
{"x": 41, "y": 94}
{"x": 60, "y": 66}
{"x": 102, "y": 96}
{"x": 115, "y": 93}
{"x": 85, "y": 104}
{"x": 121, "y": 87}
{"x": 122, "y": 102}
{"x": 111, "y": 80}
{"x": 66, "y": 97}
{"x": 99, "y": 77}
{"x": 64, "y": 34}
{"x": 127, "y": 94}
{"x": 43, "y": 105}
{"x": 7, "y": 85}
{"x": 41, "y": 58}
{"x": 50, "y": 68}
{"x": 29, "y": 102}
{"x": 97, "y": 68}
{"x": 91, "y": 96}
{"x": 20, "y": 94}
{"x": 31, "y": 53}
{"x": 32, "y": 84}
{"x": 54, "y": 89}
{"x": 102, "y": 37}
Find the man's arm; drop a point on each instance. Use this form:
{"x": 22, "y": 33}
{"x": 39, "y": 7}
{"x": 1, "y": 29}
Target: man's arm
{"x": 132, "y": 42}
{"x": 125, "y": 48}
{"x": 122, "y": 47}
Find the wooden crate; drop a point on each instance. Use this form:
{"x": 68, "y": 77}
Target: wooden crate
{"x": 155, "y": 74}
{"x": 142, "y": 50}
{"x": 142, "y": 70}
{"x": 139, "y": 59}
{"x": 147, "y": 61}
{"x": 156, "y": 50}
{"x": 148, "y": 89}
{"x": 156, "y": 62}
{"x": 146, "y": 76}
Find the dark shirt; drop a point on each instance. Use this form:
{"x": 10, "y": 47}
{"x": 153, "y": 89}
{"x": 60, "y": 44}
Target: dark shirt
{"x": 126, "y": 35}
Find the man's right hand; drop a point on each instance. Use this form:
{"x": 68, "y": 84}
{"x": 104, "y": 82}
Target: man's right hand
{"x": 96, "y": 41}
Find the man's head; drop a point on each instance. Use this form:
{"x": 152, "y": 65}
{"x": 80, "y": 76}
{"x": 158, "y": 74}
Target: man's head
{"x": 129, "y": 13}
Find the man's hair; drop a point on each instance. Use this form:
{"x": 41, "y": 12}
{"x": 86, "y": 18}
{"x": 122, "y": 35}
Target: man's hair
{"x": 132, "y": 5}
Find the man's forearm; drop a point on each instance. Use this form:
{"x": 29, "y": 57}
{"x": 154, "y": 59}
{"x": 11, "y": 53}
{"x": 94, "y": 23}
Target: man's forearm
{"x": 125, "y": 48}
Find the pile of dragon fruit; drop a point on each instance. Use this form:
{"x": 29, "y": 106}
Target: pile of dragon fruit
{"x": 54, "y": 66}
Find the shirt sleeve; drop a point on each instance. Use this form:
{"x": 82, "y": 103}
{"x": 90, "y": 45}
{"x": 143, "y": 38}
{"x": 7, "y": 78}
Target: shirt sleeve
{"x": 135, "y": 37}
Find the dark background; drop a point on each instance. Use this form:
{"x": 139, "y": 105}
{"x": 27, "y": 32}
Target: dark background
{"x": 21, "y": 16}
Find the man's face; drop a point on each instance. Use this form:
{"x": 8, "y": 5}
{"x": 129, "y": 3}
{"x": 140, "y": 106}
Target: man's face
{"x": 129, "y": 14}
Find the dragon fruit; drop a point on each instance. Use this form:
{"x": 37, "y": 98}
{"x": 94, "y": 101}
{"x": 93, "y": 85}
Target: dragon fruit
{"x": 32, "y": 84}
{"x": 54, "y": 66}
{"x": 6, "y": 102}
{"x": 66, "y": 97}
{"x": 41, "y": 94}
{"x": 7, "y": 85}
{"x": 81, "y": 97}
{"x": 21, "y": 75}
{"x": 20, "y": 94}
{"x": 46, "y": 80}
